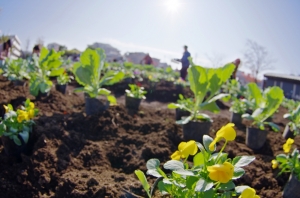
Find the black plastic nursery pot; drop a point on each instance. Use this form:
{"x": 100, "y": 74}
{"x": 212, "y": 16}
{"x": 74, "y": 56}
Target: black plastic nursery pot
{"x": 179, "y": 113}
{"x": 42, "y": 95}
{"x": 94, "y": 105}
{"x": 287, "y": 133}
{"x": 132, "y": 103}
{"x": 179, "y": 88}
{"x": 18, "y": 82}
{"x": 13, "y": 150}
{"x": 292, "y": 187}
{"x": 236, "y": 118}
{"x": 61, "y": 88}
{"x": 194, "y": 130}
{"x": 255, "y": 138}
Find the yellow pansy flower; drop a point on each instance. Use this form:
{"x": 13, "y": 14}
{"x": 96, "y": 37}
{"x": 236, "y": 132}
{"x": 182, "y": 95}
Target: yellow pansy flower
{"x": 185, "y": 149}
{"x": 221, "y": 172}
{"x": 31, "y": 113}
{"x": 227, "y": 132}
{"x": 288, "y": 145}
{"x": 31, "y": 105}
{"x": 249, "y": 193}
{"x": 22, "y": 115}
{"x": 274, "y": 164}
{"x": 6, "y": 108}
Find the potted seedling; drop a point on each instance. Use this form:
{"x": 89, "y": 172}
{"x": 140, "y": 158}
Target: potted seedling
{"x": 293, "y": 127}
{"x": 210, "y": 175}
{"x": 47, "y": 65}
{"x": 62, "y": 82}
{"x": 202, "y": 81}
{"x": 269, "y": 102}
{"x": 182, "y": 103}
{"x": 89, "y": 73}
{"x": 16, "y": 127}
{"x": 289, "y": 163}
{"x": 16, "y": 71}
{"x": 134, "y": 97}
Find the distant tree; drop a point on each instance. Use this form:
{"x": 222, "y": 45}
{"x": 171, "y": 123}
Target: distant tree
{"x": 257, "y": 58}
{"x": 215, "y": 59}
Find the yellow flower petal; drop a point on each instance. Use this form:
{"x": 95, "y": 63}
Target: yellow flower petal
{"x": 188, "y": 148}
{"x": 31, "y": 105}
{"x": 221, "y": 172}
{"x": 248, "y": 193}
{"x": 290, "y": 141}
{"x": 227, "y": 132}
{"x": 31, "y": 113}
{"x": 6, "y": 108}
{"x": 274, "y": 164}
{"x": 176, "y": 155}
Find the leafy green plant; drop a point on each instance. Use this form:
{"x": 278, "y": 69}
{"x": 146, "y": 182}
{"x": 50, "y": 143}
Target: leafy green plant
{"x": 267, "y": 103}
{"x": 16, "y": 69}
{"x": 294, "y": 118}
{"x": 136, "y": 91}
{"x": 235, "y": 89}
{"x": 47, "y": 65}
{"x": 239, "y": 106}
{"x": 210, "y": 175}
{"x": 205, "y": 83}
{"x": 18, "y": 124}
{"x": 183, "y": 103}
{"x": 64, "y": 78}
{"x": 289, "y": 104}
{"x": 289, "y": 162}
{"x": 88, "y": 73}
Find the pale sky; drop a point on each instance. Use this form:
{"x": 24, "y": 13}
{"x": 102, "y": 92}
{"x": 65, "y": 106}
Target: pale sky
{"x": 162, "y": 27}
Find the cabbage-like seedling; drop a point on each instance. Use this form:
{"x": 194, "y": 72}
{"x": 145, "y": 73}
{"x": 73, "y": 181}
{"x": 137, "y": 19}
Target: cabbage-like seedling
{"x": 89, "y": 73}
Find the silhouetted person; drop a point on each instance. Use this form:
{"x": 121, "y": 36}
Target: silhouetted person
{"x": 36, "y": 50}
{"x": 236, "y": 63}
{"x": 185, "y": 63}
{"x": 5, "y": 49}
{"x": 147, "y": 60}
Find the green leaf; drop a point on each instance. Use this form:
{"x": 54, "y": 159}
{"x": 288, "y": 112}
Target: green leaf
{"x": 206, "y": 142}
{"x": 282, "y": 158}
{"x": 83, "y": 74}
{"x": 164, "y": 188}
{"x": 153, "y": 172}
{"x": 203, "y": 185}
{"x": 191, "y": 181}
{"x": 185, "y": 120}
{"x": 238, "y": 172}
{"x": 228, "y": 186}
{"x": 199, "y": 159}
{"x": 212, "y": 107}
{"x": 184, "y": 172}
{"x": 241, "y": 161}
{"x": 218, "y": 97}
{"x": 25, "y": 136}
{"x": 57, "y": 72}
{"x": 141, "y": 176}
{"x": 112, "y": 100}
{"x": 240, "y": 189}
{"x": 152, "y": 164}
{"x": 103, "y": 91}
{"x": 17, "y": 140}
{"x": 174, "y": 165}
{"x": 173, "y": 106}
{"x": 274, "y": 126}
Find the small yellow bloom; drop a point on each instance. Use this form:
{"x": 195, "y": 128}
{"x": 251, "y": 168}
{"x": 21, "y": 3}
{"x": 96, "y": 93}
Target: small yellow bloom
{"x": 31, "y": 113}
{"x": 6, "y": 108}
{"x": 274, "y": 164}
{"x": 288, "y": 145}
{"x": 221, "y": 172}
{"x": 185, "y": 149}
{"x": 22, "y": 115}
{"x": 227, "y": 132}
{"x": 150, "y": 77}
{"x": 31, "y": 105}
{"x": 249, "y": 193}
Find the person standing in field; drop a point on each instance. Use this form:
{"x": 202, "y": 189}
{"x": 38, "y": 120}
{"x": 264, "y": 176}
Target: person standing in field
{"x": 36, "y": 50}
{"x": 147, "y": 60}
{"x": 5, "y": 49}
{"x": 236, "y": 63}
{"x": 185, "y": 63}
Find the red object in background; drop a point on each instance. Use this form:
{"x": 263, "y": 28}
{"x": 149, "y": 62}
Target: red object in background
{"x": 138, "y": 84}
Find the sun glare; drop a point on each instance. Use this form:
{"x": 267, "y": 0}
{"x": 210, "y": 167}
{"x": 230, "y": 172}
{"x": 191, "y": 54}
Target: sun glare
{"x": 172, "y": 5}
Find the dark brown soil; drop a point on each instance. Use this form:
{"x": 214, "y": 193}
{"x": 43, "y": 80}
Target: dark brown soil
{"x": 75, "y": 155}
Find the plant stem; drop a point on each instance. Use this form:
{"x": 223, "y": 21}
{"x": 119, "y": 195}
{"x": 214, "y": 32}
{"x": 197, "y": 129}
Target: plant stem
{"x": 221, "y": 151}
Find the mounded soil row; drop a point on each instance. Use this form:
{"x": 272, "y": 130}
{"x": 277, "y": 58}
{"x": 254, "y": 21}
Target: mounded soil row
{"x": 74, "y": 155}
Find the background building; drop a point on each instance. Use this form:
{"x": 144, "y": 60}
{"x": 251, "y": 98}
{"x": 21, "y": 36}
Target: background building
{"x": 111, "y": 52}
{"x": 289, "y": 84}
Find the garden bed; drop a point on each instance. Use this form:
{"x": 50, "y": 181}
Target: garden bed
{"x": 75, "y": 155}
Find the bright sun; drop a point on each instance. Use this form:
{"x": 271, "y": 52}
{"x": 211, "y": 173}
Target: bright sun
{"x": 172, "y": 5}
